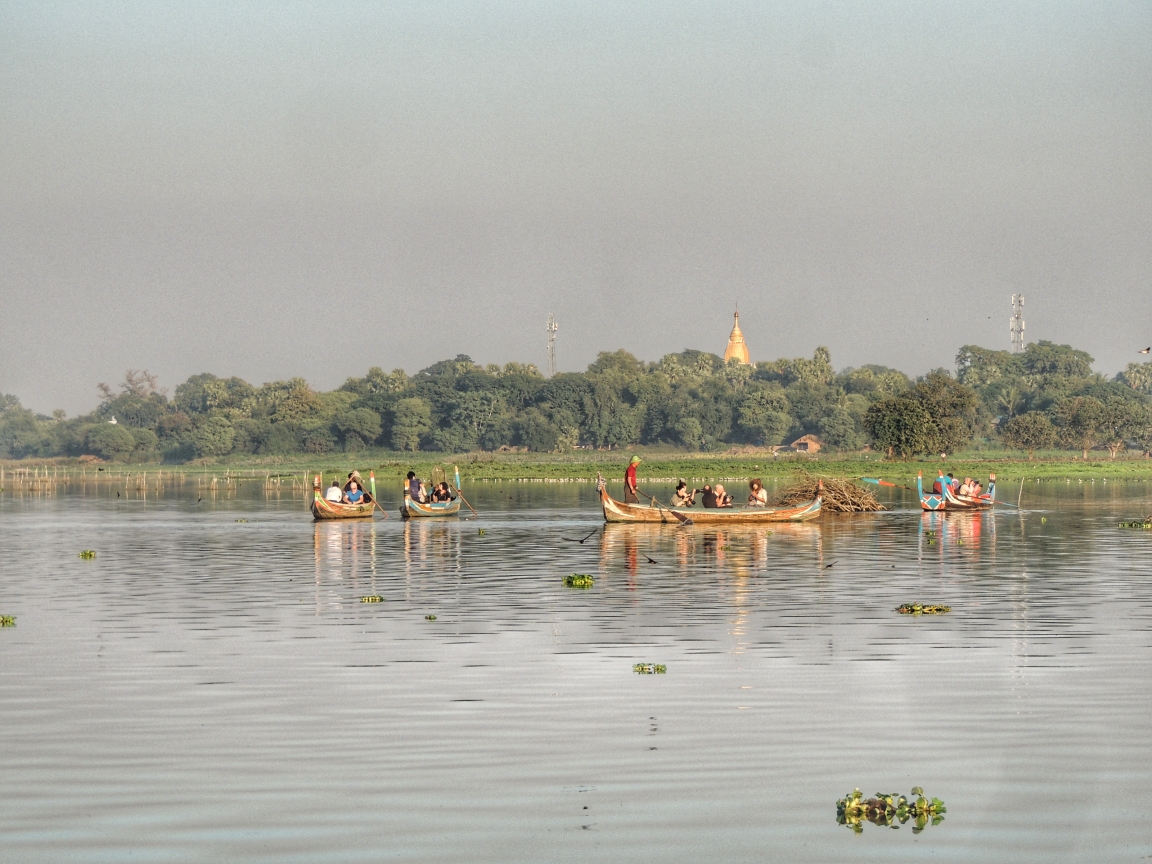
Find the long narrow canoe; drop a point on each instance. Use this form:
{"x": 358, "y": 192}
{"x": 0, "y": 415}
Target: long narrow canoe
{"x": 412, "y": 508}
{"x": 323, "y": 509}
{"x": 618, "y": 511}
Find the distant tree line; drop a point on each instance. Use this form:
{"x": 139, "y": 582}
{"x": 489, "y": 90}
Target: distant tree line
{"x": 1045, "y": 397}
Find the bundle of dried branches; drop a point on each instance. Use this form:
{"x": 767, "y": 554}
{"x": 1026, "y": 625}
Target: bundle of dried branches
{"x": 840, "y": 496}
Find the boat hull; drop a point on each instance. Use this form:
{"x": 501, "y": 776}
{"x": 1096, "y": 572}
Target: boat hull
{"x": 323, "y": 510}
{"x": 946, "y": 499}
{"x": 618, "y": 511}
{"x": 415, "y": 510}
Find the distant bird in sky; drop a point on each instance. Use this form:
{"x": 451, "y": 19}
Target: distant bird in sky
{"x": 1145, "y": 350}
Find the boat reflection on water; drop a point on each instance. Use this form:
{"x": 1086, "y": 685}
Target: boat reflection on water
{"x": 738, "y": 548}
{"x": 344, "y": 554}
{"x": 952, "y": 532}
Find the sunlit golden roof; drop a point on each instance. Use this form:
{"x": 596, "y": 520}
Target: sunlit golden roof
{"x": 736, "y": 347}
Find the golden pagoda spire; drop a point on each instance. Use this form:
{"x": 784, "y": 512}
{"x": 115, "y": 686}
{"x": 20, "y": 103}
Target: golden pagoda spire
{"x": 736, "y": 347}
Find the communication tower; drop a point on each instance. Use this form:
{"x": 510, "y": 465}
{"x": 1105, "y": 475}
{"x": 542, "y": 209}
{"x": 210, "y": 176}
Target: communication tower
{"x": 552, "y": 328}
{"x": 1016, "y": 323}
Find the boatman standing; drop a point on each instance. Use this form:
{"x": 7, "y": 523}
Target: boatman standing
{"x": 630, "y": 496}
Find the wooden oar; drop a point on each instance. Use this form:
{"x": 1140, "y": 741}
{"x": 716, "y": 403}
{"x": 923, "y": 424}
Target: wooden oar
{"x": 684, "y": 520}
{"x": 372, "y": 484}
{"x": 465, "y": 500}
{"x": 885, "y": 483}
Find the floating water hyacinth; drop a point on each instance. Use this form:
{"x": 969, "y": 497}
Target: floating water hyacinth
{"x": 481, "y": 531}
{"x": 579, "y": 580}
{"x": 1145, "y": 524}
{"x": 429, "y": 617}
{"x": 372, "y": 598}
{"x": 88, "y": 554}
{"x": 886, "y": 810}
{"x": 7, "y": 620}
{"x": 922, "y": 609}
{"x": 241, "y": 520}
{"x": 650, "y": 668}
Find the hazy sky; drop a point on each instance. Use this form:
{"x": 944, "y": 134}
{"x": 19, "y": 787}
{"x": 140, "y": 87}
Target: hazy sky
{"x": 281, "y": 189}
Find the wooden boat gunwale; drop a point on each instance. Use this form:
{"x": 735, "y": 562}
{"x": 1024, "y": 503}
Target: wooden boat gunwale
{"x": 620, "y": 512}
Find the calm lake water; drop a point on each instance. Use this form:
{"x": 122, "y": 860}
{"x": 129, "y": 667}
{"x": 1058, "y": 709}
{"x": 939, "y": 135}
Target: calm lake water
{"x": 210, "y": 688}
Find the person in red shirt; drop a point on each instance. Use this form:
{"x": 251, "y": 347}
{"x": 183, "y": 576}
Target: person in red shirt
{"x": 630, "y": 496}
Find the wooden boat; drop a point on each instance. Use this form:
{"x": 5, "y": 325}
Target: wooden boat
{"x": 414, "y": 509}
{"x": 618, "y": 511}
{"x": 949, "y": 500}
{"x": 323, "y": 509}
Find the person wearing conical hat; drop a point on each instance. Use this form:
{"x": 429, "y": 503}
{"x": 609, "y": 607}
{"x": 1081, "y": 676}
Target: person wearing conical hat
{"x": 630, "y": 496}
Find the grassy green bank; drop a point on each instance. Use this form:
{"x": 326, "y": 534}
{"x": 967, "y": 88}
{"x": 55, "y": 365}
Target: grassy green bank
{"x": 583, "y": 466}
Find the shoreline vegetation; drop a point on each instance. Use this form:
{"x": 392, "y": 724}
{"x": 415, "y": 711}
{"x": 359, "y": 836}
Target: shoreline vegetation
{"x": 691, "y": 414}
{"x": 656, "y": 467}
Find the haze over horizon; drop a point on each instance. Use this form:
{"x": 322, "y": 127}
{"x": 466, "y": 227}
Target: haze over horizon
{"x": 267, "y": 191}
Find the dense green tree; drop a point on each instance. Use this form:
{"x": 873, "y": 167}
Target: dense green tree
{"x": 213, "y": 437}
{"x": 413, "y": 419}
{"x": 110, "y": 441}
{"x": 1078, "y": 420}
{"x": 358, "y": 427}
{"x": 1121, "y": 420}
{"x": 1032, "y": 431}
{"x": 20, "y": 434}
{"x": 901, "y": 426}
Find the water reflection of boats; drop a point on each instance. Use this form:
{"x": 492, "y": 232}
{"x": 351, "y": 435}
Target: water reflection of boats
{"x": 739, "y": 545}
{"x": 618, "y": 511}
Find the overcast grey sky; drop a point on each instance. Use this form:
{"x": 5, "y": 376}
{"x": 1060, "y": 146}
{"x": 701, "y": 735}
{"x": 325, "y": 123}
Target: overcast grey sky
{"x": 234, "y": 187}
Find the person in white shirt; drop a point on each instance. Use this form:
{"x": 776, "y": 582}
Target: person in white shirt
{"x": 334, "y": 493}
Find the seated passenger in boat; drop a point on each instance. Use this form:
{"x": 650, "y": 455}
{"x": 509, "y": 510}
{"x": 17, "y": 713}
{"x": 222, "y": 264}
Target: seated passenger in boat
{"x": 723, "y": 499}
{"x": 441, "y": 494}
{"x": 334, "y": 494}
{"x": 967, "y": 488}
{"x": 758, "y": 497}
{"x": 977, "y": 489}
{"x": 707, "y": 496}
{"x": 682, "y": 497}
{"x": 353, "y": 494}
{"x": 416, "y": 489}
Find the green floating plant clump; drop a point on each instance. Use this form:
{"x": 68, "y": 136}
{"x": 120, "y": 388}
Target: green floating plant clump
{"x": 7, "y": 620}
{"x": 889, "y": 810}
{"x": 1147, "y": 523}
{"x": 241, "y": 520}
{"x": 922, "y": 609}
{"x": 88, "y": 554}
{"x": 650, "y": 668}
{"x": 372, "y": 598}
{"x": 429, "y": 617}
{"x": 578, "y": 580}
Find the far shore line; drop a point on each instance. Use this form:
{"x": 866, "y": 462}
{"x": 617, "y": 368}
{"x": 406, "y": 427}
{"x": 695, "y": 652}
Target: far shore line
{"x": 584, "y": 466}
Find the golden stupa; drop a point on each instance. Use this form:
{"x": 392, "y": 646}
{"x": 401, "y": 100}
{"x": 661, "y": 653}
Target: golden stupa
{"x": 736, "y": 347}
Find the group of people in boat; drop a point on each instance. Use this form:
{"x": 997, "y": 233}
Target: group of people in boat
{"x": 717, "y": 496}
{"x": 439, "y": 493}
{"x": 968, "y": 489}
{"x": 710, "y": 496}
{"x": 352, "y": 492}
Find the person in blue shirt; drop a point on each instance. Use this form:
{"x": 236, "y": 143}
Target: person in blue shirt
{"x": 352, "y": 494}
{"x": 416, "y": 489}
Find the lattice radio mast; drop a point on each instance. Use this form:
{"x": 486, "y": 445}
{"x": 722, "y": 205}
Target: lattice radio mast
{"x": 1016, "y": 323}
{"x": 552, "y": 328}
